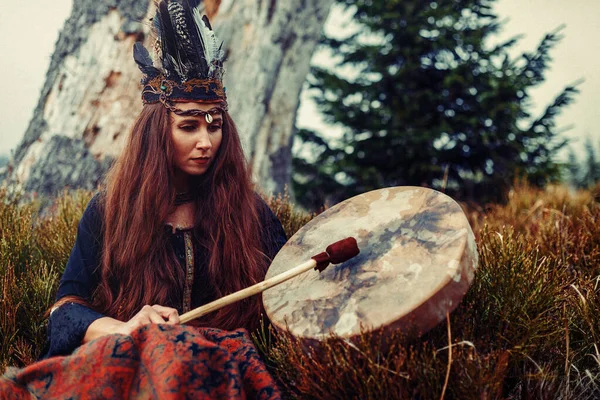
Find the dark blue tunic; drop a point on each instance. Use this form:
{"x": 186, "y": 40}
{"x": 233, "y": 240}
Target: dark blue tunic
{"x": 68, "y": 324}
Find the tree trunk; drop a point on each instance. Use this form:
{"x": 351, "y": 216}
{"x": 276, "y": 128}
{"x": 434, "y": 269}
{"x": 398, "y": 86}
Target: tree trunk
{"x": 92, "y": 94}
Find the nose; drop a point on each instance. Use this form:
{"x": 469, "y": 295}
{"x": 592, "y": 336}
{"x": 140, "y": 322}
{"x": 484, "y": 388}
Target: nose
{"x": 203, "y": 140}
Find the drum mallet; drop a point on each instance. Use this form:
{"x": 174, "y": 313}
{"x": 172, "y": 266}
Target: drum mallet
{"x": 335, "y": 253}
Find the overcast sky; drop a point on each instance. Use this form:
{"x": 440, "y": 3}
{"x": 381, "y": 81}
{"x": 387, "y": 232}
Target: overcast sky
{"x": 576, "y": 56}
{"x": 28, "y": 31}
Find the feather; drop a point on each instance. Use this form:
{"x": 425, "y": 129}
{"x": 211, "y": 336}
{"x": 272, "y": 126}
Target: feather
{"x": 194, "y": 3}
{"x": 179, "y": 68}
{"x": 188, "y": 46}
{"x": 206, "y": 22}
{"x": 168, "y": 39}
{"x": 198, "y": 24}
{"x": 210, "y": 44}
{"x": 143, "y": 60}
{"x": 179, "y": 23}
{"x": 182, "y": 41}
{"x": 156, "y": 24}
{"x": 199, "y": 64}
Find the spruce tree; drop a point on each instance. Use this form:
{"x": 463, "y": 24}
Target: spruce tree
{"x": 591, "y": 166}
{"x": 574, "y": 173}
{"x": 432, "y": 104}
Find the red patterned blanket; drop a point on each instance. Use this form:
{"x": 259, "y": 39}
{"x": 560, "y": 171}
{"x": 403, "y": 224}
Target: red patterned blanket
{"x": 155, "y": 362}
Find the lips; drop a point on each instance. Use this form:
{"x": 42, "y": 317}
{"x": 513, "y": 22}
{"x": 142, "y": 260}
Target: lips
{"x": 201, "y": 160}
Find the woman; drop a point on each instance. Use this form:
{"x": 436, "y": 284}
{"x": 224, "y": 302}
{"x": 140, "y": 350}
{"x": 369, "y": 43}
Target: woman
{"x": 178, "y": 224}
{"x": 180, "y": 188}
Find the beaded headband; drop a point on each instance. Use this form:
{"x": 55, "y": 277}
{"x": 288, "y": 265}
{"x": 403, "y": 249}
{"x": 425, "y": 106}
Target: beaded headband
{"x": 190, "y": 56}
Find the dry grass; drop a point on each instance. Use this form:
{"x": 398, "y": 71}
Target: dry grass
{"x": 33, "y": 253}
{"x": 291, "y": 218}
{"x": 528, "y": 328}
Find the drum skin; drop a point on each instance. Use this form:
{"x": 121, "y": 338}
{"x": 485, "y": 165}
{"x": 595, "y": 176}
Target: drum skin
{"x": 417, "y": 260}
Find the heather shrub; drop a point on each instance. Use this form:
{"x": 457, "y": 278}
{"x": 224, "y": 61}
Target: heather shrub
{"x": 34, "y": 248}
{"x": 291, "y": 218}
{"x": 35, "y": 243}
{"x": 528, "y": 327}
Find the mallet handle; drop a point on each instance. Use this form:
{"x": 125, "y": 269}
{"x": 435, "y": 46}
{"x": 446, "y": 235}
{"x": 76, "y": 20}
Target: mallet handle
{"x": 244, "y": 293}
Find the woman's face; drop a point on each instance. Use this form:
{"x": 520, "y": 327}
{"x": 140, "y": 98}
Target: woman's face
{"x": 195, "y": 140}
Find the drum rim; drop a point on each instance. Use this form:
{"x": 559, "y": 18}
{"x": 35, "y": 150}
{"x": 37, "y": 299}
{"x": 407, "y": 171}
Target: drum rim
{"x": 467, "y": 266}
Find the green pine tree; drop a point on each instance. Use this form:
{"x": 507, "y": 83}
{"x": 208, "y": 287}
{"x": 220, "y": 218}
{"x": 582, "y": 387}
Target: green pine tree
{"x": 591, "y": 166}
{"x": 432, "y": 104}
{"x": 573, "y": 170}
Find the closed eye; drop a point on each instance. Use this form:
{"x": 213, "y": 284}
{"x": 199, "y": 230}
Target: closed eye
{"x": 214, "y": 128}
{"x": 188, "y": 128}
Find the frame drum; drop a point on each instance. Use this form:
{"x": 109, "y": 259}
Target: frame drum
{"x": 417, "y": 260}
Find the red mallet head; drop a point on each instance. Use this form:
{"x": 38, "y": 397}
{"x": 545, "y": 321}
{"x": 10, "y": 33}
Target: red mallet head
{"x": 337, "y": 253}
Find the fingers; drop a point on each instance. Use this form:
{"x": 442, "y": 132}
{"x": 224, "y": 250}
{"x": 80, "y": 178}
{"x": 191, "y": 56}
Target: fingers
{"x": 170, "y": 314}
{"x": 147, "y": 315}
{"x": 155, "y": 314}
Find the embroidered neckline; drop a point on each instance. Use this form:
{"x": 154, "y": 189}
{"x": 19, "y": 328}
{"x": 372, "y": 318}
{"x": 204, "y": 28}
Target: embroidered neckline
{"x": 189, "y": 266}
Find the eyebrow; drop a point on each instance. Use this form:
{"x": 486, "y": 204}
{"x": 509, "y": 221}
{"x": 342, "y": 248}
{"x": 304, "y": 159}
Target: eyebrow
{"x": 188, "y": 121}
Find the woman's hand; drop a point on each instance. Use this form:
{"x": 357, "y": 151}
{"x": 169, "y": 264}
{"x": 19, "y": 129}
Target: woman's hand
{"x": 147, "y": 315}
{"x": 155, "y": 314}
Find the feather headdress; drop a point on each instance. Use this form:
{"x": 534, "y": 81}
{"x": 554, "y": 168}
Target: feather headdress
{"x": 189, "y": 55}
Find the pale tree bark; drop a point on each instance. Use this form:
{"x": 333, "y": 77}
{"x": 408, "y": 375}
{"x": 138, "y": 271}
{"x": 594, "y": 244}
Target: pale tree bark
{"x": 92, "y": 95}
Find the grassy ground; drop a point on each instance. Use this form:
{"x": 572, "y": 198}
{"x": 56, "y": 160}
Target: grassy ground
{"x": 528, "y": 328}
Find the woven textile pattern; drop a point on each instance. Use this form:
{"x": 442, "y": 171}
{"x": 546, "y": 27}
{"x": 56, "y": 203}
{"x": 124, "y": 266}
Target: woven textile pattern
{"x": 155, "y": 362}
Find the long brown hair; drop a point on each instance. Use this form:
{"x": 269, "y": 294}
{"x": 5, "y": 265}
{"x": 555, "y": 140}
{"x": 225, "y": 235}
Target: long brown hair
{"x": 137, "y": 267}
